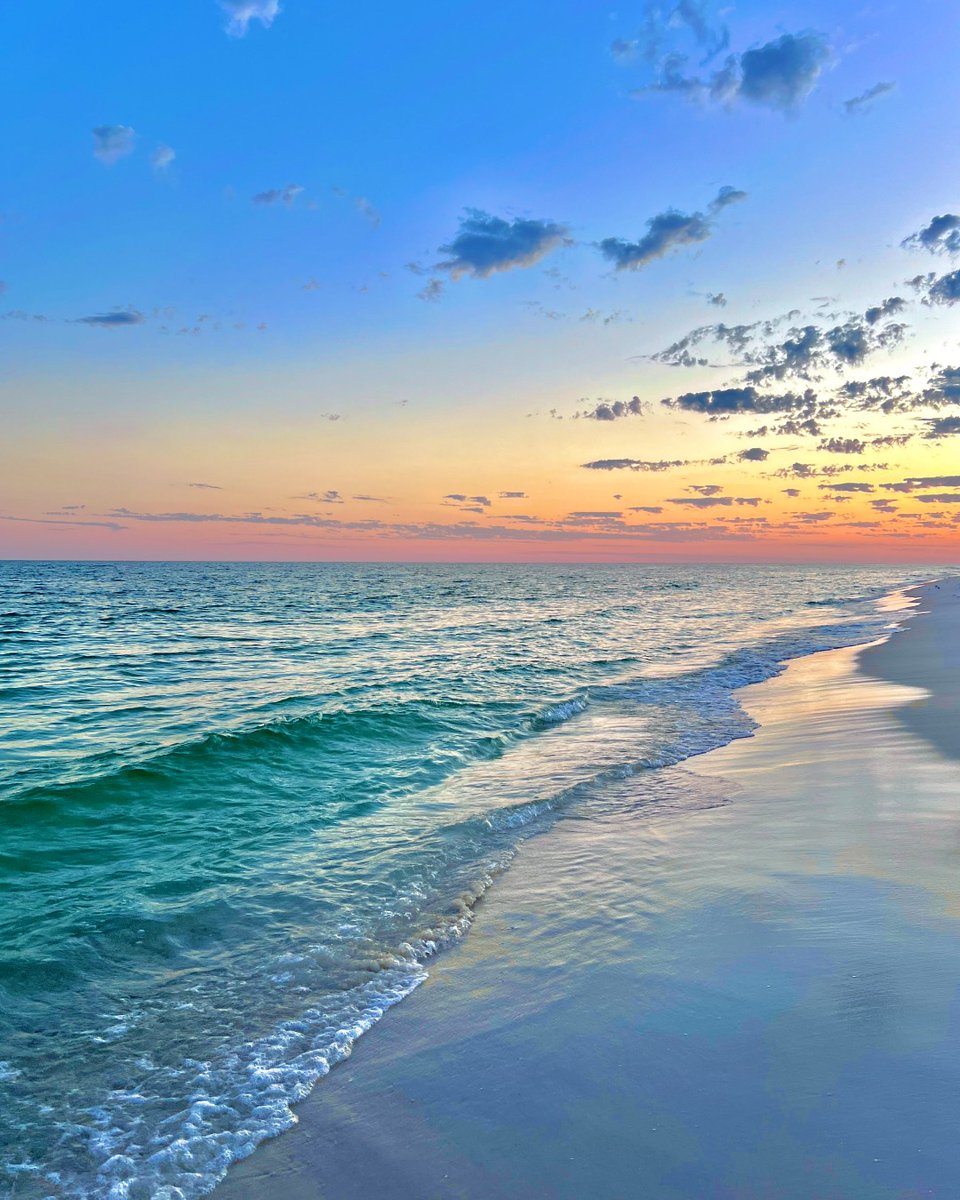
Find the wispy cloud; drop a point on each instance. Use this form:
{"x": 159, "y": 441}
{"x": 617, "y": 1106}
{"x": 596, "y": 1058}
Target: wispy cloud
{"x": 284, "y": 195}
{"x": 113, "y": 142}
{"x": 242, "y": 12}
{"x": 162, "y": 158}
{"x": 865, "y": 101}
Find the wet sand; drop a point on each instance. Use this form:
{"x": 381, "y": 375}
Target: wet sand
{"x": 750, "y": 987}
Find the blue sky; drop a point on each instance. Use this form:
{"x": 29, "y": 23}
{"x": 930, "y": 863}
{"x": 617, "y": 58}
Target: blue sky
{"x": 269, "y": 190}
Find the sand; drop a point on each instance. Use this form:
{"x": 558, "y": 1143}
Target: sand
{"x": 748, "y": 988}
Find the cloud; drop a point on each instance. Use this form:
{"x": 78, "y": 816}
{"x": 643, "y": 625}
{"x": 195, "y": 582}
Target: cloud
{"x": 667, "y": 231}
{"x": 431, "y": 291}
{"x": 836, "y": 445}
{"x": 512, "y": 495}
{"x": 287, "y": 195}
{"x": 632, "y": 464}
{"x": 211, "y": 487}
{"x": 112, "y": 142}
{"x": 113, "y": 320}
{"x": 945, "y": 290}
{"x": 717, "y": 299}
{"x": 941, "y": 498}
{"x": 864, "y": 102}
{"x": 887, "y": 308}
{"x": 242, "y": 12}
{"x": 613, "y": 410}
{"x": 942, "y": 427}
{"x": 480, "y": 501}
{"x": 111, "y": 525}
{"x": 780, "y": 74}
{"x": 162, "y": 157}
{"x": 754, "y": 454}
{"x": 485, "y": 244}
{"x": 714, "y": 501}
{"x": 940, "y": 236}
{"x": 725, "y": 402}
{"x": 846, "y": 487}
{"x": 917, "y": 482}
{"x": 647, "y": 508}
{"x": 367, "y": 209}
{"x": 331, "y": 496}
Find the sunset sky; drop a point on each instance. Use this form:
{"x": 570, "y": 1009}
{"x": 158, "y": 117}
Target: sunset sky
{"x": 313, "y": 280}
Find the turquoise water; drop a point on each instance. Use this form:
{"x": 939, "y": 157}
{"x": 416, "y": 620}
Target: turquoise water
{"x": 244, "y": 805}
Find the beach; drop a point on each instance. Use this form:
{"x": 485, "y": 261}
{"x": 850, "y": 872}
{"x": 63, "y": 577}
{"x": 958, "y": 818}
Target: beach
{"x": 746, "y": 987}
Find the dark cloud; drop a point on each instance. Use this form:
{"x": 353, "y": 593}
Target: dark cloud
{"x": 480, "y": 501}
{"x": 242, "y": 12}
{"x": 485, "y": 244}
{"x": 942, "y": 427}
{"x": 667, "y": 231}
{"x": 888, "y": 308}
{"x": 113, "y": 142}
{"x": 633, "y": 464}
{"x": 779, "y": 74}
{"x": 113, "y": 320}
{"x": 705, "y": 489}
{"x": 941, "y": 236}
{"x": 207, "y": 487}
{"x": 725, "y": 402}
{"x": 941, "y": 498}
{"x": 754, "y": 454}
{"x": 512, "y": 495}
{"x": 846, "y": 487}
{"x": 838, "y": 445}
{"x": 717, "y": 299}
{"x": 865, "y": 100}
{"x": 714, "y": 501}
{"x": 284, "y": 195}
{"x": 613, "y": 410}
{"x": 647, "y": 508}
{"x": 917, "y": 482}
{"x": 945, "y": 289}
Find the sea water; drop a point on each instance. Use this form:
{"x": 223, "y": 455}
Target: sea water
{"x": 243, "y": 805}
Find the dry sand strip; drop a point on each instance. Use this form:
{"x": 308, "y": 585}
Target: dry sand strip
{"x": 745, "y": 988}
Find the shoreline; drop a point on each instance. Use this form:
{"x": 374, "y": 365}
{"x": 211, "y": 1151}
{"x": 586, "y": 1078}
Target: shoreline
{"x": 478, "y": 1083}
{"x": 926, "y": 655}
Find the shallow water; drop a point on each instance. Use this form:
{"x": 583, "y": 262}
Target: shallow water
{"x": 243, "y": 806}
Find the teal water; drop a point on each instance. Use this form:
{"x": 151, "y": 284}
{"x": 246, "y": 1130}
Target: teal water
{"x": 243, "y": 805}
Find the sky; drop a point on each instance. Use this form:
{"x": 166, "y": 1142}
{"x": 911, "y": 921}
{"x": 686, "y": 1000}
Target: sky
{"x": 303, "y": 280}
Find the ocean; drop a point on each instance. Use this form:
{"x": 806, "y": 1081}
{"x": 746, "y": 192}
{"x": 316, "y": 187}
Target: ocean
{"x": 244, "y": 805}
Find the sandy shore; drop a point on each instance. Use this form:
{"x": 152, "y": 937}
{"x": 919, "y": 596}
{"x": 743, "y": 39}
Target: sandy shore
{"x": 748, "y": 988}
